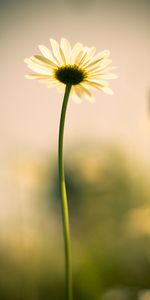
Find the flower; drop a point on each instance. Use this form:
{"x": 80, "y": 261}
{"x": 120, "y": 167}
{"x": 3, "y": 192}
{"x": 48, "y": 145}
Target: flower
{"x": 77, "y": 66}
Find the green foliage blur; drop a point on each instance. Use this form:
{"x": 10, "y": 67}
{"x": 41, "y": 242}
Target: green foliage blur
{"x": 109, "y": 204}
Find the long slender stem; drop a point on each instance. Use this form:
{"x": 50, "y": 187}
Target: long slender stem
{"x": 64, "y": 203}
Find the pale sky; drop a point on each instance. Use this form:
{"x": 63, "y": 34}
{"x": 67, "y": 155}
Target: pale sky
{"x": 29, "y": 114}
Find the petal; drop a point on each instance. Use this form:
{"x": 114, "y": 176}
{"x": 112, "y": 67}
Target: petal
{"x": 107, "y": 90}
{"x": 56, "y": 52}
{"x": 97, "y": 66}
{"x": 99, "y": 57}
{"x": 61, "y": 87}
{"x": 109, "y": 69}
{"x": 79, "y": 56}
{"x": 87, "y": 94}
{"x": 78, "y": 90}
{"x": 44, "y": 60}
{"x": 76, "y": 99}
{"x": 54, "y": 83}
{"x": 62, "y": 56}
{"x": 75, "y": 51}
{"x": 37, "y": 76}
{"x": 47, "y": 53}
{"x": 66, "y": 48}
{"x": 106, "y": 76}
{"x": 93, "y": 84}
{"x": 83, "y": 57}
{"x": 48, "y": 80}
{"x": 99, "y": 86}
{"x": 99, "y": 81}
{"x": 76, "y": 94}
{"x": 39, "y": 68}
{"x": 90, "y": 53}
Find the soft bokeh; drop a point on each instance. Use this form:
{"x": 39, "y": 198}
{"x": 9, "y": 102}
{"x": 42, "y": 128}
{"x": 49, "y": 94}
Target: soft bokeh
{"x": 107, "y": 156}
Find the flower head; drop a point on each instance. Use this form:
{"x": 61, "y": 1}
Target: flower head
{"x": 77, "y": 66}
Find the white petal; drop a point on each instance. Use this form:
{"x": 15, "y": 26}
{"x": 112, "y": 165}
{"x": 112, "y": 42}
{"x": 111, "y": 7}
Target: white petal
{"x": 109, "y": 69}
{"x": 78, "y": 90}
{"x": 66, "y": 48}
{"x": 44, "y": 60}
{"x": 90, "y": 53}
{"x": 99, "y": 86}
{"x": 38, "y": 68}
{"x": 76, "y": 98}
{"x": 76, "y": 94}
{"x": 33, "y": 61}
{"x": 99, "y": 57}
{"x": 98, "y": 80}
{"x": 107, "y": 90}
{"x": 62, "y": 56}
{"x": 61, "y": 87}
{"x": 56, "y": 52}
{"x": 102, "y": 76}
{"x": 48, "y": 54}
{"x": 37, "y": 76}
{"x": 93, "y": 84}
{"x": 56, "y": 83}
{"x": 49, "y": 80}
{"x": 79, "y": 56}
{"x": 83, "y": 56}
{"x": 75, "y": 51}
{"x": 97, "y": 66}
{"x": 87, "y": 94}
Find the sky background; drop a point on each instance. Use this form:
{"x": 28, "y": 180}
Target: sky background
{"x": 29, "y": 114}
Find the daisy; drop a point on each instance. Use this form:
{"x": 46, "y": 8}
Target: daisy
{"x": 77, "y": 66}
{"x": 75, "y": 70}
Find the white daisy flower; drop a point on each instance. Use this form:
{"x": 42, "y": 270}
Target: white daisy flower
{"x": 77, "y": 66}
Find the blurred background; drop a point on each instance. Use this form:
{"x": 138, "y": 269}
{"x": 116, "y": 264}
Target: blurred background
{"x": 107, "y": 156}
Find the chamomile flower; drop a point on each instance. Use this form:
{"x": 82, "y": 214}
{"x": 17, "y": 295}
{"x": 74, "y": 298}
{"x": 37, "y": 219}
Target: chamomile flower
{"x": 77, "y": 66}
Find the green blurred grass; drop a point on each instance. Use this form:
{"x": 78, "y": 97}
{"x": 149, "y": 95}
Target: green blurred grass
{"x": 109, "y": 203}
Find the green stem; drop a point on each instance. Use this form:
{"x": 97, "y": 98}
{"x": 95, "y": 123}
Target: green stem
{"x": 64, "y": 203}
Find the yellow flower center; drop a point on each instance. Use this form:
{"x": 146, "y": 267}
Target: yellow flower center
{"x": 70, "y": 74}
